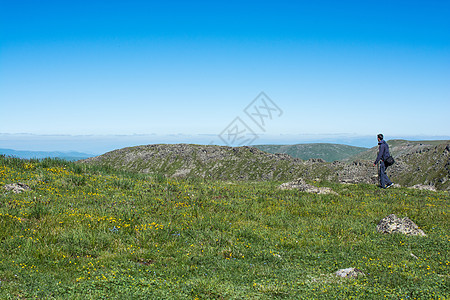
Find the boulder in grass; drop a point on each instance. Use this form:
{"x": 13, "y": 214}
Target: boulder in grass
{"x": 424, "y": 187}
{"x": 17, "y": 188}
{"x": 349, "y": 273}
{"x": 394, "y": 224}
{"x": 301, "y": 185}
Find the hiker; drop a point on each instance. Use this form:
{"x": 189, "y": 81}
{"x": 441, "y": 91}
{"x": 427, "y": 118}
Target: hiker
{"x": 383, "y": 153}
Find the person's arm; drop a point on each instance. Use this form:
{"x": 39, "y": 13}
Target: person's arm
{"x": 380, "y": 154}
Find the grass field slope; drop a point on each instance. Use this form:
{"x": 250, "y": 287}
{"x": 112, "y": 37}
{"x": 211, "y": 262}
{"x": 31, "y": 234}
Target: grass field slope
{"x": 86, "y": 231}
{"x": 327, "y": 152}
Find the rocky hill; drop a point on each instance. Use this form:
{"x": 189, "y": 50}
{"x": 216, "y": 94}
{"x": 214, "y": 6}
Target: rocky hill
{"x": 325, "y": 151}
{"x": 397, "y": 148}
{"x": 428, "y": 165}
{"x": 217, "y": 162}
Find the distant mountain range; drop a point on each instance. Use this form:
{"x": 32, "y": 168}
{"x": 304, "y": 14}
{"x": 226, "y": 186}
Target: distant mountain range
{"x": 325, "y": 151}
{"x": 67, "y": 155}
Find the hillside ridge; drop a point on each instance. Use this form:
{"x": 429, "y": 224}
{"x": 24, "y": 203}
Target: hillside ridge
{"x": 327, "y": 151}
{"x": 428, "y": 165}
{"x": 399, "y": 148}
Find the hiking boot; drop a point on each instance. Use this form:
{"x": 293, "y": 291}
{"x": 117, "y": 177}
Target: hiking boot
{"x": 390, "y": 185}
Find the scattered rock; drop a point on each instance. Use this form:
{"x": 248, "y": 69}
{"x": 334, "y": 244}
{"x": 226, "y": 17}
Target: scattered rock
{"x": 284, "y": 156}
{"x": 424, "y": 187}
{"x": 349, "y": 273}
{"x": 301, "y": 185}
{"x": 316, "y": 160}
{"x": 182, "y": 172}
{"x": 393, "y": 224}
{"x": 17, "y": 188}
{"x": 357, "y": 172}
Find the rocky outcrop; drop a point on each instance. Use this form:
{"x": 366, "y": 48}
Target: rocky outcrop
{"x": 301, "y": 185}
{"x": 315, "y": 160}
{"x": 17, "y": 188}
{"x": 424, "y": 187}
{"x": 428, "y": 166}
{"x": 393, "y": 224}
{"x": 357, "y": 172}
{"x": 349, "y": 273}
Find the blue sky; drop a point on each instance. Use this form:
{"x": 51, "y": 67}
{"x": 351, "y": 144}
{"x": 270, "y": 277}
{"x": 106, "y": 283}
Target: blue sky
{"x": 189, "y": 68}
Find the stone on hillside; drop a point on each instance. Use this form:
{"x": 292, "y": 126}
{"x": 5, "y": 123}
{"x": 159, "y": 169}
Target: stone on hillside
{"x": 424, "y": 187}
{"x": 183, "y": 172}
{"x": 393, "y": 224}
{"x": 17, "y": 188}
{"x": 301, "y": 185}
{"x": 414, "y": 256}
{"x": 357, "y": 172}
{"x": 316, "y": 160}
{"x": 349, "y": 273}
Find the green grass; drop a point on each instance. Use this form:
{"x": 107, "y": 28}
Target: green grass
{"x": 92, "y": 232}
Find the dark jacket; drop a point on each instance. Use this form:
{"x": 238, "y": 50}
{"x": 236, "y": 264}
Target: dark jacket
{"x": 383, "y": 151}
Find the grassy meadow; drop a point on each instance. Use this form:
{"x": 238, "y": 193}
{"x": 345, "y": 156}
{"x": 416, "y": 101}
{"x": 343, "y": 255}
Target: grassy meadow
{"x": 87, "y": 232}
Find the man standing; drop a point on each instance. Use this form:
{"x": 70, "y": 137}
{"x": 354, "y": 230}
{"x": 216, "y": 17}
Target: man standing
{"x": 383, "y": 153}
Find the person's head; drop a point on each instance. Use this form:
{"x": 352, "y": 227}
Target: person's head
{"x": 380, "y": 137}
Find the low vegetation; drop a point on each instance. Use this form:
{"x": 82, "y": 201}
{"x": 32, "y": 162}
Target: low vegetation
{"x": 86, "y": 231}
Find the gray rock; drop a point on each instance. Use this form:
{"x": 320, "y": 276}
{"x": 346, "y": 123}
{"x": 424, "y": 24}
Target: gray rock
{"x": 414, "y": 256}
{"x": 424, "y": 187}
{"x": 301, "y": 185}
{"x": 393, "y": 224}
{"x": 182, "y": 172}
{"x": 17, "y": 188}
{"x": 349, "y": 273}
{"x": 316, "y": 160}
{"x": 357, "y": 172}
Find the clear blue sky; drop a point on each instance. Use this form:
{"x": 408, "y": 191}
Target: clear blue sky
{"x": 191, "y": 67}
